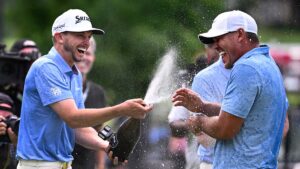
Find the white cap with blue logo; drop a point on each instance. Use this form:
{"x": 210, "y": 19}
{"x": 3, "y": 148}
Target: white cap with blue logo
{"x": 74, "y": 20}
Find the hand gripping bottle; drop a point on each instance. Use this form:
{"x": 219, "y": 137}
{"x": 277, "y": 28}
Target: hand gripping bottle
{"x": 123, "y": 142}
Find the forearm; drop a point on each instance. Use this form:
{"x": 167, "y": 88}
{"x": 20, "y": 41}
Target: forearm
{"x": 211, "y": 126}
{"x": 210, "y": 109}
{"x": 88, "y": 138}
{"x": 77, "y": 118}
{"x": 93, "y": 117}
{"x": 224, "y": 126}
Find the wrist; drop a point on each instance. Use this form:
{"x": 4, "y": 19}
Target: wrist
{"x": 104, "y": 145}
{"x": 117, "y": 109}
{"x": 201, "y": 107}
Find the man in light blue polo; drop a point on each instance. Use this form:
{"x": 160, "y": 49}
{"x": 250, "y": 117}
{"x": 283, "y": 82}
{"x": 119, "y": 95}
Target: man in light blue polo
{"x": 53, "y": 115}
{"x": 248, "y": 125}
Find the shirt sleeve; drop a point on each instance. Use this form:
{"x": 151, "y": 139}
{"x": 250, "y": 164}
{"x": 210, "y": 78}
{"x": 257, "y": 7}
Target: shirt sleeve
{"x": 243, "y": 87}
{"x": 51, "y": 84}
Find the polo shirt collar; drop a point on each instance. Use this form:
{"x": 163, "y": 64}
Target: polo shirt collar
{"x": 262, "y": 49}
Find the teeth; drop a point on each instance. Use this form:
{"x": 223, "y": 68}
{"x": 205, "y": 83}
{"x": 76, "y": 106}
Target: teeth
{"x": 221, "y": 53}
{"x": 82, "y": 50}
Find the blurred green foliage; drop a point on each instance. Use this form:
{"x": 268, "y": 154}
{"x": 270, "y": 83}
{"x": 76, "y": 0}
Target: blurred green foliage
{"x": 294, "y": 99}
{"x": 280, "y": 34}
{"x": 138, "y": 33}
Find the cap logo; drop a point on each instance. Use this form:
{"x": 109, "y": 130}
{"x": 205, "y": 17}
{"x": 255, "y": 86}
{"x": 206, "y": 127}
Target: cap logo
{"x": 59, "y": 27}
{"x": 82, "y": 18}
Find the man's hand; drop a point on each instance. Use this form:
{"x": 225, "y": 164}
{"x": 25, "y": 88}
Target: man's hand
{"x": 4, "y": 130}
{"x": 12, "y": 136}
{"x": 188, "y": 99}
{"x": 135, "y": 108}
{"x": 194, "y": 123}
{"x": 115, "y": 160}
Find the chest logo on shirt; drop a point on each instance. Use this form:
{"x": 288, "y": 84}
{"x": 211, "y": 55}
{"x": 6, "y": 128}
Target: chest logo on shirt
{"x": 55, "y": 91}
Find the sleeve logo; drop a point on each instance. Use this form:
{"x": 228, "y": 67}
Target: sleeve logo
{"x": 55, "y": 91}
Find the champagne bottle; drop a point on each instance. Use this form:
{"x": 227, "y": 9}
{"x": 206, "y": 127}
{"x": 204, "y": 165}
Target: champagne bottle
{"x": 124, "y": 141}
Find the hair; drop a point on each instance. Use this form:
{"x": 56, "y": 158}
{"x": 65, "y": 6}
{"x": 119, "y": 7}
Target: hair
{"x": 253, "y": 38}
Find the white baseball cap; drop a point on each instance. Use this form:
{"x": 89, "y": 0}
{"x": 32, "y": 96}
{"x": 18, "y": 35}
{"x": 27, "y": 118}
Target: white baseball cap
{"x": 229, "y": 22}
{"x": 74, "y": 20}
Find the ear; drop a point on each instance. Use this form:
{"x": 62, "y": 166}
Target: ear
{"x": 58, "y": 37}
{"x": 241, "y": 34}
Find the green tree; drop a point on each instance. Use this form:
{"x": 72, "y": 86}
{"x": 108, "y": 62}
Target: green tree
{"x": 138, "y": 33}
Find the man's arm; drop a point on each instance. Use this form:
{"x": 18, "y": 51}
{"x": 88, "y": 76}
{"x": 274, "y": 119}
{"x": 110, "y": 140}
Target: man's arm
{"x": 224, "y": 126}
{"x": 77, "y": 118}
{"x": 220, "y": 125}
{"x": 88, "y": 138}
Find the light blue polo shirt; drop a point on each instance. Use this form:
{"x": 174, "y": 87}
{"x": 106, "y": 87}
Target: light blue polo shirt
{"x": 43, "y": 135}
{"x": 210, "y": 83}
{"x": 255, "y": 92}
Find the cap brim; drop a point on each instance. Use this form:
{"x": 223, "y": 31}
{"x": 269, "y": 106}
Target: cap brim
{"x": 94, "y": 31}
{"x": 206, "y": 40}
{"x": 208, "y": 37}
{"x": 98, "y": 31}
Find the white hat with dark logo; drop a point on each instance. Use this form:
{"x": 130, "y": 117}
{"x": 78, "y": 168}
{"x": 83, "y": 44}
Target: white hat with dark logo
{"x": 74, "y": 20}
{"x": 228, "y": 22}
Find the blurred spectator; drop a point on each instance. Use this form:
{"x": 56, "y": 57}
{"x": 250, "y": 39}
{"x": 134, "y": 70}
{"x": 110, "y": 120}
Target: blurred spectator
{"x": 8, "y": 139}
{"x": 25, "y": 48}
{"x": 94, "y": 97}
{"x": 211, "y": 54}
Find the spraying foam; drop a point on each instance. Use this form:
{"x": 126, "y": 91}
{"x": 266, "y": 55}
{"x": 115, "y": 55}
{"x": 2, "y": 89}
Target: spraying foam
{"x": 163, "y": 83}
